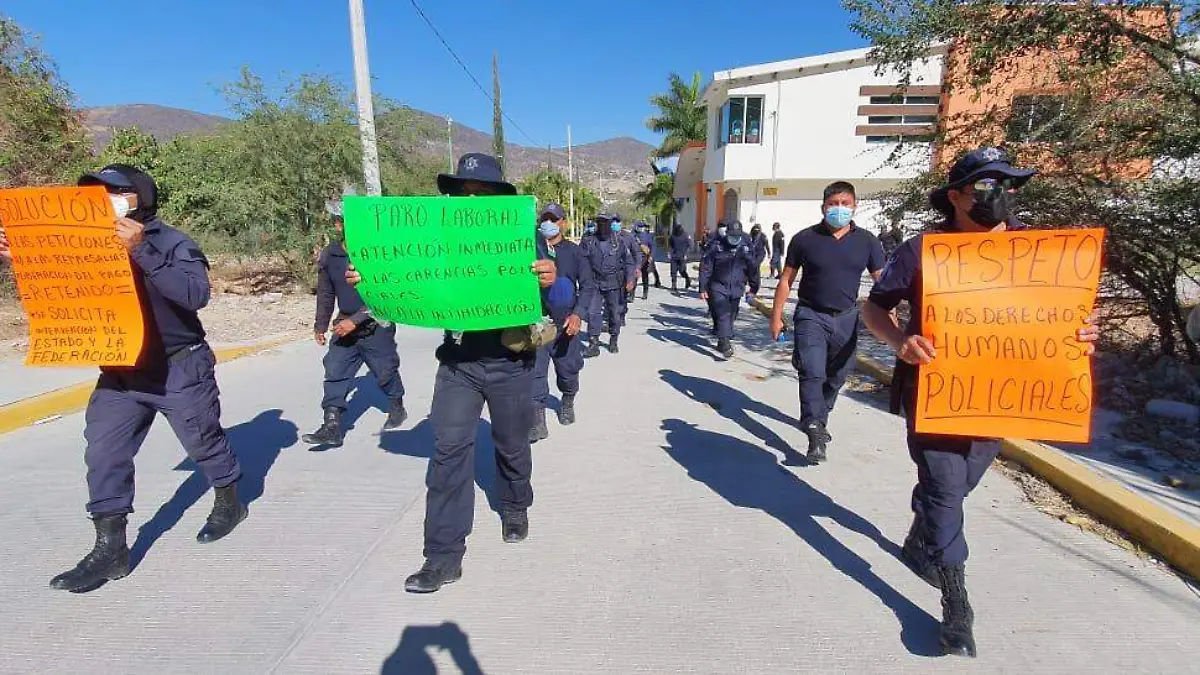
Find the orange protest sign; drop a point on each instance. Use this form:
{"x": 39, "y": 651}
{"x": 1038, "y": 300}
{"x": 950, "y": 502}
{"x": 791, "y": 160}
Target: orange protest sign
{"x": 74, "y": 277}
{"x": 1003, "y": 310}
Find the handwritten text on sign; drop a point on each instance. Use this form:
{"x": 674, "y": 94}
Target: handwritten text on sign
{"x": 74, "y": 277}
{"x": 459, "y": 263}
{"x": 1003, "y": 310}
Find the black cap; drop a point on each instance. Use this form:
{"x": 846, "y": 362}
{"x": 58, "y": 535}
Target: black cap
{"x": 553, "y": 209}
{"x": 977, "y": 165}
{"x": 109, "y": 176}
{"x": 734, "y": 229}
{"x": 476, "y": 167}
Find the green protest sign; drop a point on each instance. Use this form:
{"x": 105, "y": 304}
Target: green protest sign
{"x": 458, "y": 263}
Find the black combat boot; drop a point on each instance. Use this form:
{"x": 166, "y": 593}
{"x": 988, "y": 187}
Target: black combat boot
{"x": 396, "y": 416}
{"x": 818, "y": 439}
{"x": 645, "y": 292}
{"x": 330, "y": 432}
{"x": 725, "y": 347}
{"x": 433, "y": 576}
{"x": 566, "y": 412}
{"x": 226, "y": 513}
{"x": 612, "y": 345}
{"x": 958, "y": 620}
{"x": 515, "y": 525}
{"x": 108, "y": 560}
{"x": 593, "y": 349}
{"x": 914, "y": 555}
{"x": 675, "y": 287}
{"x": 539, "y": 432}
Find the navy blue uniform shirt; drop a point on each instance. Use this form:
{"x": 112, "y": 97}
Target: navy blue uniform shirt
{"x": 568, "y": 258}
{"x": 831, "y": 268}
{"x": 680, "y": 245}
{"x": 331, "y": 285}
{"x": 173, "y": 278}
{"x": 730, "y": 267}
{"x": 777, "y": 243}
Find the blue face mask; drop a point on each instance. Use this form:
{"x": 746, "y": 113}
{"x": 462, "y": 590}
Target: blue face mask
{"x": 839, "y": 216}
{"x": 733, "y": 241}
{"x": 549, "y": 229}
{"x": 616, "y": 227}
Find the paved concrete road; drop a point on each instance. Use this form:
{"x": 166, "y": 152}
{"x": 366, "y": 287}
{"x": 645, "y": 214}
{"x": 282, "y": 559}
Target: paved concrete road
{"x": 668, "y": 535}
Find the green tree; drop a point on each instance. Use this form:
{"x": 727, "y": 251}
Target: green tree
{"x": 134, "y": 147}
{"x": 1130, "y": 72}
{"x": 659, "y": 198}
{"x": 680, "y": 116}
{"x": 42, "y": 136}
{"x": 497, "y": 114}
{"x": 553, "y": 187}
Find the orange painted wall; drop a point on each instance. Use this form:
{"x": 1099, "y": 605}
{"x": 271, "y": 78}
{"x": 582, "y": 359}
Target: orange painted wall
{"x": 965, "y": 111}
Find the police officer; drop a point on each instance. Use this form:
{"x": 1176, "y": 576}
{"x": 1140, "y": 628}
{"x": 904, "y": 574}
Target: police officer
{"x": 357, "y": 339}
{"x": 977, "y": 198}
{"x": 644, "y": 239}
{"x": 727, "y": 267}
{"x": 759, "y": 243}
{"x": 777, "y": 245}
{"x": 174, "y": 376}
{"x": 614, "y": 267}
{"x": 681, "y": 245}
{"x": 705, "y": 246}
{"x": 576, "y": 281}
{"x": 630, "y": 242}
{"x": 832, "y": 256}
{"x": 476, "y": 368}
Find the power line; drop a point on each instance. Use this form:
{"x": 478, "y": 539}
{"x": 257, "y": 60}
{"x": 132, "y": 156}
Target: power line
{"x": 467, "y": 70}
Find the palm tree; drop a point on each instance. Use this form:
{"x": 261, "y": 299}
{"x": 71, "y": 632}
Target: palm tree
{"x": 659, "y": 197}
{"x": 680, "y": 116}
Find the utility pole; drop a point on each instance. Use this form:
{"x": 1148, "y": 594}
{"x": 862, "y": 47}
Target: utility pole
{"x": 571, "y": 178}
{"x": 450, "y": 140}
{"x": 366, "y": 108}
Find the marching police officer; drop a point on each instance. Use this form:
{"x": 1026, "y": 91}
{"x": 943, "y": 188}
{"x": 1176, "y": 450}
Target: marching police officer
{"x": 832, "y": 255}
{"x": 644, "y": 239}
{"x": 977, "y": 198}
{"x": 357, "y": 339}
{"x": 759, "y": 243}
{"x": 614, "y": 267}
{"x": 630, "y": 242}
{"x": 681, "y": 245}
{"x": 727, "y": 267}
{"x": 777, "y": 245}
{"x": 174, "y": 376}
{"x": 477, "y": 368}
{"x": 707, "y": 244}
{"x": 577, "y": 282}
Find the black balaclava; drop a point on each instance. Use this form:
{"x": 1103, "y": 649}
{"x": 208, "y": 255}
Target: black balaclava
{"x": 146, "y": 190}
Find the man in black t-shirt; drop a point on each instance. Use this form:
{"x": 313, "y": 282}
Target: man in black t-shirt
{"x": 832, "y": 255}
{"x": 777, "y": 246}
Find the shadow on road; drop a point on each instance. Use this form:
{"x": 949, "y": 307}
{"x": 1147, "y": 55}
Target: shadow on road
{"x": 412, "y": 654}
{"x": 419, "y": 442}
{"x": 748, "y": 477}
{"x": 256, "y": 443}
{"x": 364, "y": 395}
{"x": 736, "y": 407}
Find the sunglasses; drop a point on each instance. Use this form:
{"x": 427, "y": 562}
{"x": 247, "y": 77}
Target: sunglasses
{"x": 995, "y": 185}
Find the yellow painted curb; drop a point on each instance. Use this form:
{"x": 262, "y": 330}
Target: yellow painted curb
{"x": 74, "y": 398}
{"x": 1174, "y": 539}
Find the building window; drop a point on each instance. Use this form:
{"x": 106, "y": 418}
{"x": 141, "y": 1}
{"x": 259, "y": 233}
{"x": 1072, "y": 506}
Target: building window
{"x": 897, "y": 99}
{"x": 879, "y": 140}
{"x": 740, "y": 120}
{"x": 1038, "y": 119}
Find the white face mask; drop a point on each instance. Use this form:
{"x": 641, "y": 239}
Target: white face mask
{"x": 120, "y": 205}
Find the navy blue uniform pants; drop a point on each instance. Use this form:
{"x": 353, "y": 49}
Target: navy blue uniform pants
{"x": 567, "y": 354}
{"x": 679, "y": 269}
{"x": 459, "y": 394}
{"x": 649, "y": 268}
{"x": 823, "y": 355}
{"x": 948, "y": 469}
{"x": 122, "y": 409}
{"x": 608, "y": 302}
{"x": 724, "y": 306}
{"x": 624, "y": 298}
{"x": 374, "y": 346}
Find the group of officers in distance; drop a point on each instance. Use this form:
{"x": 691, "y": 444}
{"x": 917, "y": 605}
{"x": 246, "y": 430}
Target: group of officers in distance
{"x": 507, "y": 370}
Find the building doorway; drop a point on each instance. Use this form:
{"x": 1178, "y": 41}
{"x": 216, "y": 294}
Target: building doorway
{"x": 732, "y": 206}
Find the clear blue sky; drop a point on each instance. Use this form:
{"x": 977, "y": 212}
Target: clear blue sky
{"x": 592, "y": 64}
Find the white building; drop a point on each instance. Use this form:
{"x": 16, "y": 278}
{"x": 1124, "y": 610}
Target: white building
{"x": 779, "y": 133}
